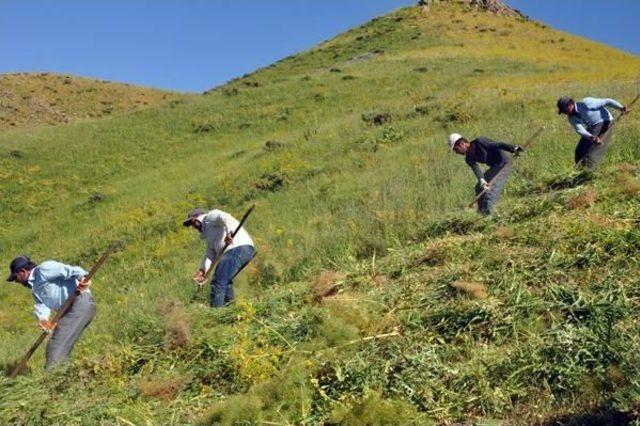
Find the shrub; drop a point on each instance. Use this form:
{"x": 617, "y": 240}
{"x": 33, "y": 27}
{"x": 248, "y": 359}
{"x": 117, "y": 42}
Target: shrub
{"x": 204, "y": 128}
{"x": 376, "y": 118}
{"x": 271, "y": 146}
{"x": 271, "y": 182}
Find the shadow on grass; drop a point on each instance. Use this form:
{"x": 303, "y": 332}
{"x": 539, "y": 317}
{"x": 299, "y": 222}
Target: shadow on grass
{"x": 560, "y": 183}
{"x": 605, "y": 417}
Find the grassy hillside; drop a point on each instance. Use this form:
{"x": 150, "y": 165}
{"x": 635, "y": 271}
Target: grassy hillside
{"x": 31, "y": 99}
{"x": 375, "y": 297}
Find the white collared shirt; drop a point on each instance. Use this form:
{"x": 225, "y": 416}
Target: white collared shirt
{"x": 215, "y": 226}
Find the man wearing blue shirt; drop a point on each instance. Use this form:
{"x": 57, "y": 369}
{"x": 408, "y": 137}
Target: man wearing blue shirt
{"x": 592, "y": 121}
{"x": 51, "y": 283}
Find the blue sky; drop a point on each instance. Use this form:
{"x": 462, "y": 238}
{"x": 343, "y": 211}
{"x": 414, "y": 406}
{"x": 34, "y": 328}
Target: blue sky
{"x": 193, "y": 45}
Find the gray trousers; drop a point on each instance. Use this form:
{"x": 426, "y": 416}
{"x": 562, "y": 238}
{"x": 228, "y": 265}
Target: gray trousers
{"x": 590, "y": 155}
{"x": 69, "y": 329}
{"x": 491, "y": 197}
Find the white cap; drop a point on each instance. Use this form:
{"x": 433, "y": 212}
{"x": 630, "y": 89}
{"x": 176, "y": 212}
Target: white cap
{"x": 453, "y": 138}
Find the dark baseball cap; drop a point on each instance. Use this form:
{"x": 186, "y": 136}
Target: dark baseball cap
{"x": 17, "y": 264}
{"x": 563, "y": 103}
{"x": 193, "y": 214}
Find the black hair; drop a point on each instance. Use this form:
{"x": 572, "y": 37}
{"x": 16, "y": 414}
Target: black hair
{"x": 29, "y": 266}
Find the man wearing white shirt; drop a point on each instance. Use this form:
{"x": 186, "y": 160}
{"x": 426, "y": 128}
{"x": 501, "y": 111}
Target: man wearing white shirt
{"x": 216, "y": 228}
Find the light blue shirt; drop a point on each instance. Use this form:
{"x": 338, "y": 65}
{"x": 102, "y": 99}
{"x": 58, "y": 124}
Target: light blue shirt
{"x": 51, "y": 284}
{"x": 592, "y": 111}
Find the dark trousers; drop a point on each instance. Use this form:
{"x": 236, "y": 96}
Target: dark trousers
{"x": 589, "y": 154}
{"x": 230, "y": 264}
{"x": 69, "y": 329}
{"x": 491, "y": 197}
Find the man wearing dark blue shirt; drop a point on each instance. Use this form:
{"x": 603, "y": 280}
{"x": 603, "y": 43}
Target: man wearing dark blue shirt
{"x": 494, "y": 154}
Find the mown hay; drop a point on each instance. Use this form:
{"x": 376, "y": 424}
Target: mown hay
{"x": 583, "y": 200}
{"x": 166, "y": 389}
{"x": 504, "y": 232}
{"x": 475, "y": 290}
{"x": 627, "y": 184}
{"x": 177, "y": 324}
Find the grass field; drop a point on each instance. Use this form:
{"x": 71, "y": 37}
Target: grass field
{"x": 376, "y": 297}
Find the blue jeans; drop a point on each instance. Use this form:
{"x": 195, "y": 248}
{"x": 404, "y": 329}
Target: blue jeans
{"x": 230, "y": 265}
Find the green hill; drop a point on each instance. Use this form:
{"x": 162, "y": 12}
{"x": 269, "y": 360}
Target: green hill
{"x": 376, "y": 298}
{"x": 31, "y": 99}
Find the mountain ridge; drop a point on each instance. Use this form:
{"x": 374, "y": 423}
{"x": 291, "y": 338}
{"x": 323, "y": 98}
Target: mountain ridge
{"x": 39, "y": 98}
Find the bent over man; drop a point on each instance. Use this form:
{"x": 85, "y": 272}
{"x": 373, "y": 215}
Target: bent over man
{"x": 592, "y": 121}
{"x": 51, "y": 283}
{"x": 485, "y": 151}
{"x": 216, "y": 228}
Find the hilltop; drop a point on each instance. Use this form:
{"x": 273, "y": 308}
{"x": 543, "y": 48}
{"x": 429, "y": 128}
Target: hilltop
{"x": 376, "y": 297}
{"x": 28, "y": 99}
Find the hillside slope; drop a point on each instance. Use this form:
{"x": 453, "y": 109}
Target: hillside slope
{"x": 375, "y": 297}
{"x": 31, "y": 99}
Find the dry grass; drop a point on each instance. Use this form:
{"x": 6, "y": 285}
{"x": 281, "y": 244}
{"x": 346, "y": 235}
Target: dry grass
{"x": 475, "y": 290}
{"x": 177, "y": 324}
{"x": 504, "y": 232}
{"x": 583, "y": 200}
{"x": 381, "y": 280}
{"x": 627, "y": 167}
{"x": 327, "y": 284}
{"x": 28, "y": 99}
{"x": 435, "y": 256}
{"x": 627, "y": 184}
{"x": 166, "y": 389}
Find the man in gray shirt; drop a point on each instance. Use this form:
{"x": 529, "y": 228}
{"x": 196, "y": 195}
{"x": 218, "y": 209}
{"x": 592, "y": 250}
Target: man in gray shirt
{"x": 592, "y": 121}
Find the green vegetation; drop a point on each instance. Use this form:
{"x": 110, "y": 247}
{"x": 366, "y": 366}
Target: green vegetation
{"x": 376, "y": 297}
